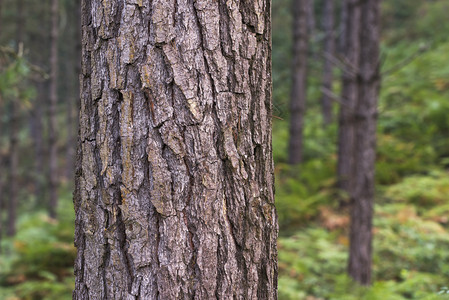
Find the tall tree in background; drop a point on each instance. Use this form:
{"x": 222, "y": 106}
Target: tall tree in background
{"x": 311, "y": 23}
{"x": 174, "y": 177}
{"x": 52, "y": 134}
{"x": 299, "y": 79}
{"x": 365, "y": 146}
{"x": 350, "y": 94}
{"x": 13, "y": 134}
{"x": 39, "y": 54}
{"x": 2, "y": 179}
{"x": 342, "y": 26}
{"x": 329, "y": 52}
{"x": 72, "y": 102}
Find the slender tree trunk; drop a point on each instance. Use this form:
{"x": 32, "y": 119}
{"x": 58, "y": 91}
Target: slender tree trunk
{"x": 311, "y": 22}
{"x": 350, "y": 94}
{"x": 174, "y": 176}
{"x": 299, "y": 80}
{"x": 365, "y": 147}
{"x": 73, "y": 102}
{"x": 37, "y": 136}
{"x": 13, "y": 168}
{"x": 342, "y": 27}
{"x": 2, "y": 205}
{"x": 1, "y": 19}
{"x": 52, "y": 134}
{"x": 329, "y": 51}
{"x": 13, "y": 136}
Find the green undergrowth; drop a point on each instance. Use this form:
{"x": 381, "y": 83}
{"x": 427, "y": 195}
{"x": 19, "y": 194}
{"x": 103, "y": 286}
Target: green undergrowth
{"x": 38, "y": 262}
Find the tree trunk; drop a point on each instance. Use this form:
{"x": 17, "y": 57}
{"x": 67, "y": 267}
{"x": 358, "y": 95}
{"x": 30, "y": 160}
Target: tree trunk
{"x": 73, "y": 102}
{"x": 13, "y": 136}
{"x": 174, "y": 170}
{"x": 365, "y": 147}
{"x": 311, "y": 23}
{"x": 2, "y": 204}
{"x": 299, "y": 80}
{"x": 37, "y": 136}
{"x": 350, "y": 94}
{"x": 329, "y": 49}
{"x": 342, "y": 27}
{"x": 13, "y": 168}
{"x": 52, "y": 135}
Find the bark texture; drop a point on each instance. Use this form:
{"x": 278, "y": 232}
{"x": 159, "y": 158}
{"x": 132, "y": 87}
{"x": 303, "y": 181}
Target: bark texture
{"x": 53, "y": 97}
{"x": 174, "y": 176}
{"x": 299, "y": 79}
{"x": 350, "y": 95}
{"x": 329, "y": 51}
{"x": 365, "y": 147}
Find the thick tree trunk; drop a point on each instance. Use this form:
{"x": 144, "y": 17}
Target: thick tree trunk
{"x": 174, "y": 176}
{"x": 14, "y": 136}
{"x": 52, "y": 135}
{"x": 350, "y": 94}
{"x": 299, "y": 80}
{"x": 365, "y": 147}
{"x": 329, "y": 49}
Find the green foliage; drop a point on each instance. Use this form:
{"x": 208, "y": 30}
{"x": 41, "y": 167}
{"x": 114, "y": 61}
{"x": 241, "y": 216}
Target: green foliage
{"x": 302, "y": 190}
{"x": 410, "y": 260}
{"x": 13, "y": 76}
{"x": 424, "y": 191}
{"x": 38, "y": 263}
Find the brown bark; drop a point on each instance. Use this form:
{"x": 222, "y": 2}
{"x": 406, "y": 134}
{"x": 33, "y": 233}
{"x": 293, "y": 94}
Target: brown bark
{"x": 350, "y": 94}
{"x": 53, "y": 97}
{"x": 365, "y": 147}
{"x": 329, "y": 50}
{"x": 299, "y": 79}
{"x": 174, "y": 170}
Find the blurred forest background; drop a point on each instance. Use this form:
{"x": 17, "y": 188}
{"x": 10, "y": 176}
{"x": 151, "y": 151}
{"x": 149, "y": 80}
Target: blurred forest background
{"x": 39, "y": 57}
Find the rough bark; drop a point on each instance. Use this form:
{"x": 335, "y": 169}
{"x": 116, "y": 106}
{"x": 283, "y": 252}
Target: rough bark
{"x": 53, "y": 98}
{"x": 329, "y": 51}
{"x": 350, "y": 94}
{"x": 174, "y": 176}
{"x": 299, "y": 79}
{"x": 13, "y": 136}
{"x": 365, "y": 147}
